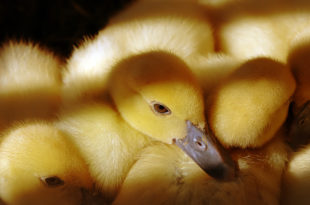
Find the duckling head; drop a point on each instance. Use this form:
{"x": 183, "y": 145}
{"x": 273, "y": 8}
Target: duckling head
{"x": 158, "y": 95}
{"x": 39, "y": 165}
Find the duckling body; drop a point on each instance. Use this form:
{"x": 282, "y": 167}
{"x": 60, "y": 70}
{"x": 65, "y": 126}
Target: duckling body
{"x": 29, "y": 82}
{"x": 164, "y": 175}
{"x": 39, "y": 164}
{"x": 248, "y": 107}
{"x": 250, "y": 29}
{"x": 296, "y": 181}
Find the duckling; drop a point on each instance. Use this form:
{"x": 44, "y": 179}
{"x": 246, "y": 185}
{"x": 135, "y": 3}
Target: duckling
{"x": 251, "y": 29}
{"x": 296, "y": 181}
{"x": 29, "y": 82}
{"x": 39, "y": 164}
{"x": 163, "y": 102}
{"x": 164, "y": 175}
{"x": 248, "y": 107}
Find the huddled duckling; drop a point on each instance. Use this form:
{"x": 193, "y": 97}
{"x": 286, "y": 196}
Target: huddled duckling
{"x": 155, "y": 97}
{"x": 248, "y": 107}
{"x": 29, "y": 82}
{"x": 248, "y": 29}
{"x": 40, "y": 165}
{"x": 296, "y": 180}
{"x": 164, "y": 175}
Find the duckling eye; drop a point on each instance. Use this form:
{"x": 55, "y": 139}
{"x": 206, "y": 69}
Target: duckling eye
{"x": 161, "y": 109}
{"x": 52, "y": 181}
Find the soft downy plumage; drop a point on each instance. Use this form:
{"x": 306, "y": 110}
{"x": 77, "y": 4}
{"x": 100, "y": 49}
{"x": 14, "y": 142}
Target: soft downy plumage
{"x": 39, "y": 164}
{"x": 30, "y": 82}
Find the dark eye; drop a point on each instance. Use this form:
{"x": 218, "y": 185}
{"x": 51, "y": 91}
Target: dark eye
{"x": 161, "y": 109}
{"x": 52, "y": 181}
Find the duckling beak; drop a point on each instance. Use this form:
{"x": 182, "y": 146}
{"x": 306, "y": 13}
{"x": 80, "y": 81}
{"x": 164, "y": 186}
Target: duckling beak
{"x": 92, "y": 197}
{"x": 207, "y": 153}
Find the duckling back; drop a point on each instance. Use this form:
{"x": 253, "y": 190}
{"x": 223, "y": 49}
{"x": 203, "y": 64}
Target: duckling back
{"x": 29, "y": 82}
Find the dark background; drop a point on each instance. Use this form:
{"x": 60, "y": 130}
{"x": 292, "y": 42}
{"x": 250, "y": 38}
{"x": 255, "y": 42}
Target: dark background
{"x": 56, "y": 24}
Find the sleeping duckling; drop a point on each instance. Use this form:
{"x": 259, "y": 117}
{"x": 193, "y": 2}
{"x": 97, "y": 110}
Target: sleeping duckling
{"x": 29, "y": 82}
{"x": 39, "y": 164}
{"x": 164, "y": 175}
{"x": 250, "y": 105}
{"x": 296, "y": 183}
{"x": 248, "y": 29}
{"x": 155, "y": 97}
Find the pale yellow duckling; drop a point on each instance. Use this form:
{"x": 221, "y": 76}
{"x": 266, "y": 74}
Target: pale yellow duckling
{"x": 248, "y": 29}
{"x": 164, "y": 175}
{"x": 296, "y": 180}
{"x": 249, "y": 106}
{"x": 155, "y": 97}
{"x": 29, "y": 82}
{"x": 39, "y": 165}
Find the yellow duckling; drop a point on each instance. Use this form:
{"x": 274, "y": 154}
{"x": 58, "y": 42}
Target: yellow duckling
{"x": 39, "y": 165}
{"x": 249, "y": 106}
{"x": 155, "y": 97}
{"x": 164, "y": 175}
{"x": 296, "y": 181}
{"x": 29, "y": 82}
{"x": 248, "y": 29}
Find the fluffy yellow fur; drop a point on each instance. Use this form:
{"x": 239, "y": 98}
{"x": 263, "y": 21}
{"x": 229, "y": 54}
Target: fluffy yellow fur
{"x": 296, "y": 181}
{"x": 248, "y": 28}
{"x": 181, "y": 28}
{"x": 165, "y": 175}
{"x": 106, "y": 141}
{"x": 29, "y": 82}
{"x": 31, "y": 152}
{"x": 251, "y": 104}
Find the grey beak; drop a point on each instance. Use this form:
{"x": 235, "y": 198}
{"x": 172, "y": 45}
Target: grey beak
{"x": 207, "y": 153}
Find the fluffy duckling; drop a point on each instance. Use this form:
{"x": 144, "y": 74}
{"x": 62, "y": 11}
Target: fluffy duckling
{"x": 249, "y": 106}
{"x": 164, "y": 175}
{"x": 296, "y": 181}
{"x": 39, "y": 164}
{"x": 163, "y": 102}
{"x": 29, "y": 82}
{"x": 248, "y": 29}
